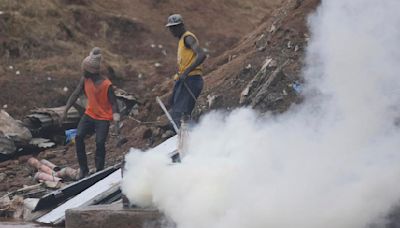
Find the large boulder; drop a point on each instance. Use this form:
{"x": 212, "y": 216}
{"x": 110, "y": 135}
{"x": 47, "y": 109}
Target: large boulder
{"x": 12, "y": 133}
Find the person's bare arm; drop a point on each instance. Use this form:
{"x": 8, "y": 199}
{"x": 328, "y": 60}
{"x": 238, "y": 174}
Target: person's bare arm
{"x": 115, "y": 109}
{"x": 74, "y": 96}
{"x": 191, "y": 43}
{"x": 113, "y": 100}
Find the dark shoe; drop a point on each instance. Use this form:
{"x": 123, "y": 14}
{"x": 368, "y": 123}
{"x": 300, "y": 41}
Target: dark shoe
{"x": 176, "y": 158}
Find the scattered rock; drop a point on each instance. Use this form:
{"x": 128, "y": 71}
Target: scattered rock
{"x": 5, "y": 201}
{"x": 49, "y": 155}
{"x": 53, "y": 184}
{"x": 6, "y": 163}
{"x": 17, "y": 72}
{"x": 289, "y": 45}
{"x": 24, "y": 159}
{"x": 157, "y": 131}
{"x": 214, "y": 101}
{"x": 262, "y": 42}
{"x": 157, "y": 65}
{"x": 148, "y": 133}
{"x": 296, "y": 48}
{"x": 272, "y": 64}
{"x": 13, "y": 130}
{"x": 231, "y": 57}
{"x": 3, "y": 176}
{"x": 10, "y": 173}
{"x": 263, "y": 92}
{"x": 168, "y": 134}
{"x": 7, "y": 146}
{"x": 273, "y": 29}
{"x": 297, "y": 3}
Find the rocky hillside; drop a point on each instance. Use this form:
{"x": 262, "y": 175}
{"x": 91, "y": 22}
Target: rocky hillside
{"x": 256, "y": 51}
{"x": 43, "y": 43}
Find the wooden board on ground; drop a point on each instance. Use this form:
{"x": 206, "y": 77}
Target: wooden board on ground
{"x": 56, "y": 197}
{"x": 90, "y": 196}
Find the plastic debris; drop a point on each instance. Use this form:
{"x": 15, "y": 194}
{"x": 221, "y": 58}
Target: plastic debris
{"x": 70, "y": 135}
{"x": 297, "y": 87}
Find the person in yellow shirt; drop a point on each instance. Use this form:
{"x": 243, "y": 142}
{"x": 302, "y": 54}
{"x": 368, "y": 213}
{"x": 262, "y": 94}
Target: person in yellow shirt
{"x": 188, "y": 80}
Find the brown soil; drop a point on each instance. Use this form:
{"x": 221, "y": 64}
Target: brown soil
{"x": 46, "y": 41}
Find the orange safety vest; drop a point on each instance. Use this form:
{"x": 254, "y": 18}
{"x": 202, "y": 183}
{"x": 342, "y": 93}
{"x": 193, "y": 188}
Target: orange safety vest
{"x": 187, "y": 56}
{"x": 98, "y": 105}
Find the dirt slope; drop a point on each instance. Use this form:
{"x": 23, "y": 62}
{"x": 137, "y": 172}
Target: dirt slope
{"x": 44, "y": 42}
{"x": 241, "y": 37}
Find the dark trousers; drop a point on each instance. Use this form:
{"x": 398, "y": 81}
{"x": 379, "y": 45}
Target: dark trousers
{"x": 86, "y": 126}
{"x": 182, "y": 102}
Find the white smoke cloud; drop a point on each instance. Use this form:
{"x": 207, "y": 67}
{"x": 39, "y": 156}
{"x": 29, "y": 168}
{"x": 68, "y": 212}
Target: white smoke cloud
{"x": 332, "y": 162}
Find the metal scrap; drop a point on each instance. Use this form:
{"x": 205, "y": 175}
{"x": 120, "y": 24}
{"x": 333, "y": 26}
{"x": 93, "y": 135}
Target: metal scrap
{"x": 44, "y": 120}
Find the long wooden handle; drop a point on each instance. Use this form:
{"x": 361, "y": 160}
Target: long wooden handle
{"x": 167, "y": 114}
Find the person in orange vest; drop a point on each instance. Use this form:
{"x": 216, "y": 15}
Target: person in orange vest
{"x": 101, "y": 109}
{"x": 188, "y": 80}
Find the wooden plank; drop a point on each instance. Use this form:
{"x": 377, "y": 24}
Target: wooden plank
{"x": 115, "y": 215}
{"x": 90, "y": 196}
{"x": 54, "y": 198}
{"x": 100, "y": 190}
